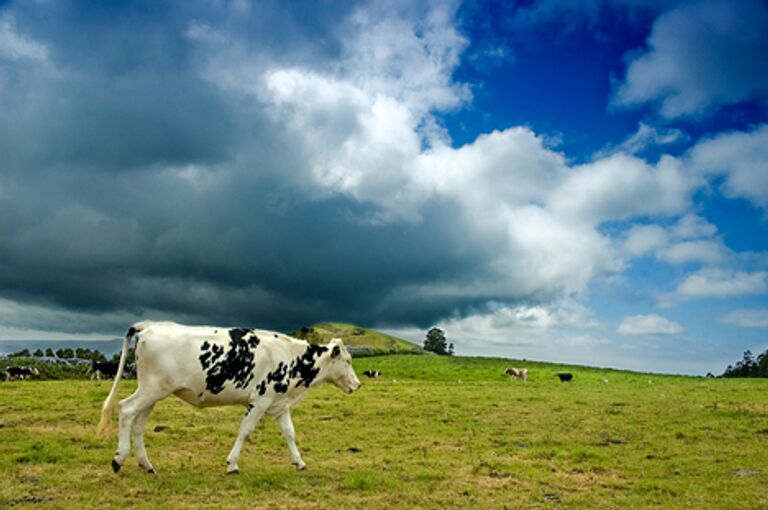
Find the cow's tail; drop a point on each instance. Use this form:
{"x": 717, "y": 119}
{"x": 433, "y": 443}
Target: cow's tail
{"x": 105, "y": 423}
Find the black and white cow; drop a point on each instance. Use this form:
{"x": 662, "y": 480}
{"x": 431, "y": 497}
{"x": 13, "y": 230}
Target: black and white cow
{"x": 20, "y": 372}
{"x": 372, "y": 374}
{"x": 565, "y": 376}
{"x": 105, "y": 368}
{"x": 207, "y": 366}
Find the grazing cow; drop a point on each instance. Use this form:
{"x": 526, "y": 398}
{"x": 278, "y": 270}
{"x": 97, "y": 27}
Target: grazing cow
{"x": 373, "y": 374}
{"x": 264, "y": 371}
{"x": 20, "y": 372}
{"x": 565, "y": 376}
{"x": 517, "y": 373}
{"x": 105, "y": 368}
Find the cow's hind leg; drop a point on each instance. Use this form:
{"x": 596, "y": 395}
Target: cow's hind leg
{"x": 251, "y": 419}
{"x": 289, "y": 434}
{"x": 130, "y": 408}
{"x": 139, "y": 424}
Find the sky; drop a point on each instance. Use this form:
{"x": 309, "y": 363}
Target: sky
{"x": 559, "y": 180}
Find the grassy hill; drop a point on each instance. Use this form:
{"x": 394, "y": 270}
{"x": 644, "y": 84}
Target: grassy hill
{"x": 357, "y": 337}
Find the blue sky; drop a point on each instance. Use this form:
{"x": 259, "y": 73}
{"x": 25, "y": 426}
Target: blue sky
{"x": 570, "y": 181}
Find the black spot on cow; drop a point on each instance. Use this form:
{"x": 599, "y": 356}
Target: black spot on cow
{"x": 235, "y": 365}
{"x": 209, "y": 355}
{"x": 278, "y": 376}
{"x": 237, "y": 334}
{"x": 131, "y": 332}
{"x": 303, "y": 367}
{"x": 279, "y": 373}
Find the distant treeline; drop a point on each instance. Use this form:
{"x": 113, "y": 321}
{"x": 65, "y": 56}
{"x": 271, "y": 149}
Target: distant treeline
{"x": 749, "y": 366}
{"x": 65, "y": 363}
{"x": 65, "y": 353}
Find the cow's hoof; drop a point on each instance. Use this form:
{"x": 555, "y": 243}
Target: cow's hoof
{"x": 233, "y": 471}
{"x": 115, "y": 466}
{"x": 151, "y": 471}
{"x": 300, "y": 467}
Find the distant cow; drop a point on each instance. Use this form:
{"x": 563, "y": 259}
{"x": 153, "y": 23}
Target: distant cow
{"x": 105, "y": 368}
{"x": 565, "y": 376}
{"x": 20, "y": 372}
{"x": 373, "y": 374}
{"x": 517, "y": 373}
{"x": 263, "y": 371}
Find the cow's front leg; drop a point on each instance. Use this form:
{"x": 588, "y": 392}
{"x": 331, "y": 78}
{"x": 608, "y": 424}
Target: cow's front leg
{"x": 251, "y": 419}
{"x": 286, "y": 427}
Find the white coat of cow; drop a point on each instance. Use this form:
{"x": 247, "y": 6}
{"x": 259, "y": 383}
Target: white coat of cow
{"x": 265, "y": 371}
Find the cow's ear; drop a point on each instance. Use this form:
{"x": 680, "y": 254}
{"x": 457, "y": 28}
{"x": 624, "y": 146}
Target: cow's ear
{"x": 336, "y": 351}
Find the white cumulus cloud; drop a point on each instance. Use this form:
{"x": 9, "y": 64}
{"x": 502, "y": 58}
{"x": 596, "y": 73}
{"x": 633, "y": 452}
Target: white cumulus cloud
{"x": 742, "y": 158}
{"x": 649, "y": 325}
{"x": 700, "y": 56}
{"x": 691, "y": 239}
{"x": 621, "y": 187}
{"x": 720, "y": 283}
{"x": 14, "y": 46}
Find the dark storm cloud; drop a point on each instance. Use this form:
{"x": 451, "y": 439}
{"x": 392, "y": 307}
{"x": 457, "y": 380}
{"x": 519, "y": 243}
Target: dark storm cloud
{"x": 132, "y": 184}
{"x": 121, "y": 85}
{"x": 148, "y": 172}
{"x": 227, "y": 256}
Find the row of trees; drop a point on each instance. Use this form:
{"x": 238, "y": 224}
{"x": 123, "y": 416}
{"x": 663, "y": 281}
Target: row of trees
{"x": 65, "y": 353}
{"x": 749, "y": 366}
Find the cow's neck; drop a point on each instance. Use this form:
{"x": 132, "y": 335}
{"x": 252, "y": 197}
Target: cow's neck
{"x": 297, "y": 370}
{"x": 304, "y": 371}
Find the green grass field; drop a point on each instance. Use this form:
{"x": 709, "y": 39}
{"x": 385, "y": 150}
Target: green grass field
{"x": 433, "y": 432}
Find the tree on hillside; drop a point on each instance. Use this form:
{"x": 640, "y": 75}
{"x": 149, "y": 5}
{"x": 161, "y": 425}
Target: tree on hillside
{"x": 49, "y": 352}
{"x": 436, "y": 342}
{"x": 38, "y": 353}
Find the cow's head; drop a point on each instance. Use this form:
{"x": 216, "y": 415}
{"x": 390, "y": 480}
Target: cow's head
{"x": 338, "y": 369}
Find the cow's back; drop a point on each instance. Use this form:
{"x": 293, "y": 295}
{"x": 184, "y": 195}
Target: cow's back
{"x": 205, "y": 365}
